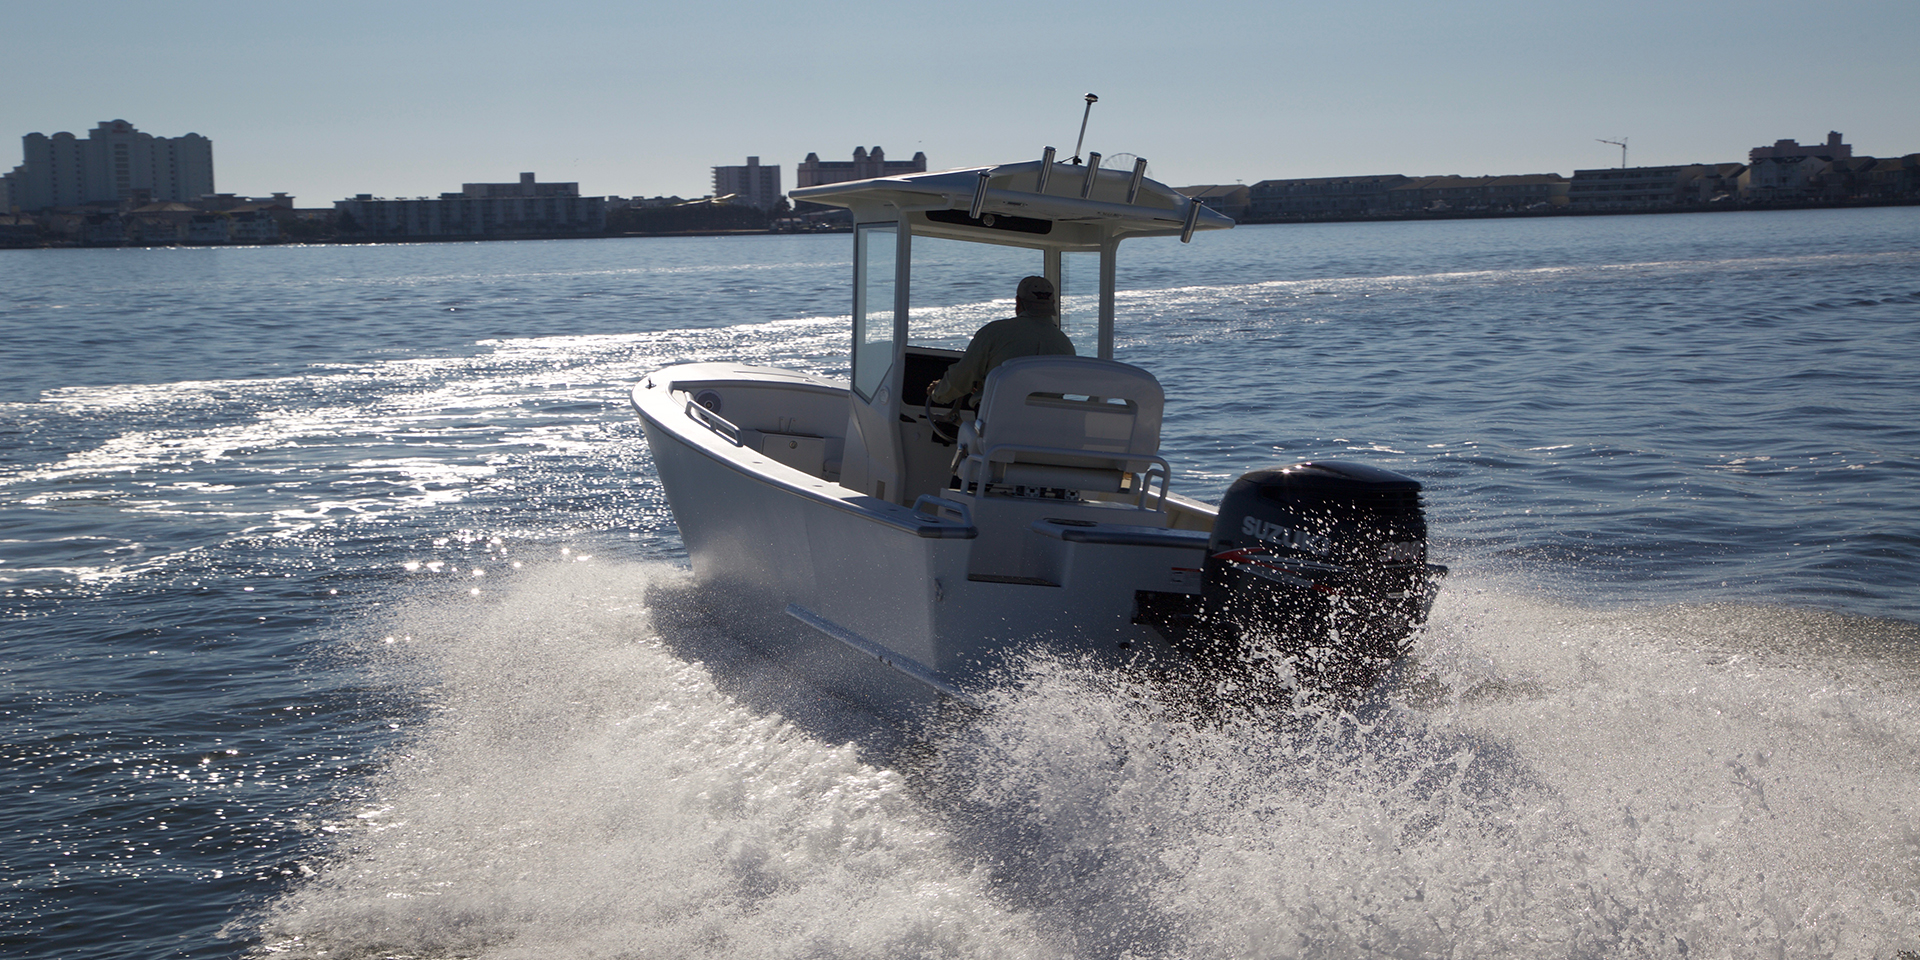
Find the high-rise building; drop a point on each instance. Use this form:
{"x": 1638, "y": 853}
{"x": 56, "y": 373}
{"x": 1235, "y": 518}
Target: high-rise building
{"x": 813, "y": 171}
{"x": 116, "y": 162}
{"x": 753, "y": 184}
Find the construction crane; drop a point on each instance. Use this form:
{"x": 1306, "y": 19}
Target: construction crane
{"x": 1622, "y": 144}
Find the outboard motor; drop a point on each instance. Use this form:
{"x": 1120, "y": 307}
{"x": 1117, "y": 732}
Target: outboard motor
{"x": 1323, "y": 565}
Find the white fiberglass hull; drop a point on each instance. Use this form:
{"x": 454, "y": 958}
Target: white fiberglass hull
{"x": 871, "y": 592}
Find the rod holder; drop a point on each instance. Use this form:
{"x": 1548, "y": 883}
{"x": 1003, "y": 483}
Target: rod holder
{"x": 1193, "y": 220}
{"x": 1139, "y": 176}
{"x": 1046, "y": 170}
{"x": 979, "y": 196}
{"x": 1093, "y": 173}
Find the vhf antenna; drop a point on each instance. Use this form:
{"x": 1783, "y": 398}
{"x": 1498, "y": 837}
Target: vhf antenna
{"x": 1091, "y": 100}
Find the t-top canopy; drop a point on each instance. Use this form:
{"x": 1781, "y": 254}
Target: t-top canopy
{"x": 1036, "y": 203}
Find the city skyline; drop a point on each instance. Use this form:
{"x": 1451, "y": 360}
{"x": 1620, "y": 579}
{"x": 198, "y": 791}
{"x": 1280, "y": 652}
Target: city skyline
{"x": 326, "y": 103}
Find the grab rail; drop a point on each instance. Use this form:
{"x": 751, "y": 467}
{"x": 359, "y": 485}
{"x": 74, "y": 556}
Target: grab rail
{"x": 940, "y": 508}
{"x": 715, "y": 422}
{"x": 1163, "y": 471}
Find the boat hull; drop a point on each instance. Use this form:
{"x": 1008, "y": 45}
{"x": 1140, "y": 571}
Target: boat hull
{"x": 876, "y": 598}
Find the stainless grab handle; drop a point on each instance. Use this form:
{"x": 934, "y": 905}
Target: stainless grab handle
{"x": 715, "y": 422}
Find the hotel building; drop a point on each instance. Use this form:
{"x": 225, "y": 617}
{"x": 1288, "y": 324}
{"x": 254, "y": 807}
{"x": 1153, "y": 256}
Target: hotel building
{"x": 115, "y": 163}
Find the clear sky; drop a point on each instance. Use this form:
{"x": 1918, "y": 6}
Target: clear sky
{"x": 329, "y": 98}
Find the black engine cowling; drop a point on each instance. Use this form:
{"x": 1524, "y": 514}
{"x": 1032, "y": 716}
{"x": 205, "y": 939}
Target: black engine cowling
{"x": 1320, "y": 565}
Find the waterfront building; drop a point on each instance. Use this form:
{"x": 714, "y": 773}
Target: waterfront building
{"x": 526, "y": 186}
{"x": 1646, "y": 188}
{"x": 1786, "y": 170}
{"x": 1891, "y": 178}
{"x": 524, "y": 209}
{"x": 753, "y": 184}
{"x": 252, "y": 226}
{"x": 102, "y": 229}
{"x": 228, "y": 201}
{"x": 1345, "y": 198}
{"x": 116, "y": 163}
{"x": 18, "y": 230}
{"x": 161, "y": 222}
{"x": 865, "y": 165}
{"x": 1321, "y": 198}
{"x": 1526, "y": 191}
{"x": 208, "y": 228}
{"x": 1853, "y": 178}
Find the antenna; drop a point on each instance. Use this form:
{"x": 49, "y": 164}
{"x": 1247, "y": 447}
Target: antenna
{"x": 1622, "y": 144}
{"x": 1091, "y": 100}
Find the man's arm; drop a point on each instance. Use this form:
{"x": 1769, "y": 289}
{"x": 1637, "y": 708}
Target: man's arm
{"x": 965, "y": 375}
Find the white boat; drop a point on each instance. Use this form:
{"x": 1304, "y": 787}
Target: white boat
{"x": 843, "y": 530}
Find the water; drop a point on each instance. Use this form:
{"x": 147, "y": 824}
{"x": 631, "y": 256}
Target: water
{"x": 342, "y": 616}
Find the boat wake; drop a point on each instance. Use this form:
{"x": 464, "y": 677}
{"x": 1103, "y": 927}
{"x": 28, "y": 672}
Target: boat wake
{"x": 599, "y": 769}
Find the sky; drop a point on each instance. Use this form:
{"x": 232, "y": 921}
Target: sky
{"x": 402, "y": 98}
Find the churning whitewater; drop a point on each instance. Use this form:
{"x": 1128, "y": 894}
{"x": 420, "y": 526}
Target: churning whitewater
{"x": 605, "y": 772}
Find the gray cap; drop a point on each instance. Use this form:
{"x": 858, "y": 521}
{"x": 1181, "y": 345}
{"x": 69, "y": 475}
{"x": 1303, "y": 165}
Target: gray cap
{"x": 1036, "y": 293}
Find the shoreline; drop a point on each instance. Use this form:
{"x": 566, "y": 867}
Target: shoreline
{"x": 1406, "y": 217}
{"x": 1421, "y": 215}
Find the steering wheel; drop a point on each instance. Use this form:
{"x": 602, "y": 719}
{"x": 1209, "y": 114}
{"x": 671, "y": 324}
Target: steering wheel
{"x": 945, "y": 429}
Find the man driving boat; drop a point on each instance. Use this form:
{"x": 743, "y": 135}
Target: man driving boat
{"x": 1034, "y": 329}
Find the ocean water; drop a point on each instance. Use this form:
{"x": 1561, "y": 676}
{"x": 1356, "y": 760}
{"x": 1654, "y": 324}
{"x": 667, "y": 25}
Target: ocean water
{"x": 341, "y": 615}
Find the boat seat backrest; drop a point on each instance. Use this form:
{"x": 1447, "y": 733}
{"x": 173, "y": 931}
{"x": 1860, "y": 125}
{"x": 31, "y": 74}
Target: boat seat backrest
{"x": 1069, "y": 411}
